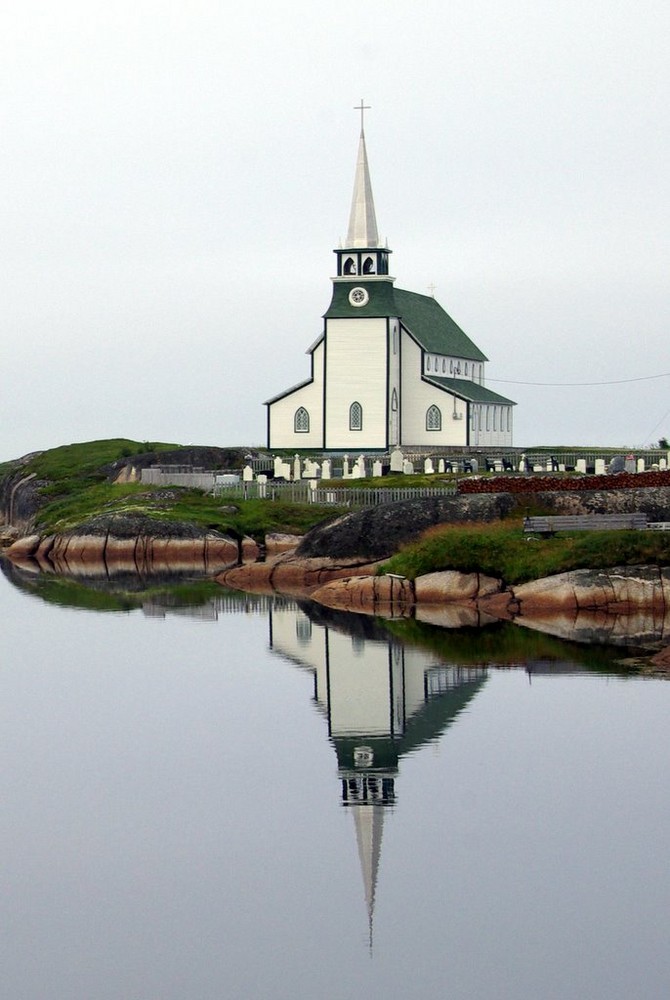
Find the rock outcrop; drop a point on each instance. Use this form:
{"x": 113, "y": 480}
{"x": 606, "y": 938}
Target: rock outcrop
{"x": 288, "y": 574}
{"x": 377, "y": 532}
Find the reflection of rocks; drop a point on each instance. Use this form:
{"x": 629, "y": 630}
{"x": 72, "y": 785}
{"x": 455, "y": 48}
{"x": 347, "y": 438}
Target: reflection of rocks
{"x": 110, "y": 545}
{"x": 640, "y": 629}
{"x": 627, "y": 605}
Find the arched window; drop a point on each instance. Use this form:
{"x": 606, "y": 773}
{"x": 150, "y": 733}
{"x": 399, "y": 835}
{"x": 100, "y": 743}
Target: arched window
{"x": 433, "y": 418}
{"x": 355, "y": 417}
{"x": 301, "y": 421}
{"x": 368, "y": 266}
{"x": 350, "y": 266}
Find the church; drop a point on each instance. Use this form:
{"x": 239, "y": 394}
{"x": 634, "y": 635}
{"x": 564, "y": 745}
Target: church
{"x": 390, "y": 368}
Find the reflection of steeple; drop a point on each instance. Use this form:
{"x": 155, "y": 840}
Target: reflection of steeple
{"x": 381, "y": 700}
{"x": 369, "y": 822}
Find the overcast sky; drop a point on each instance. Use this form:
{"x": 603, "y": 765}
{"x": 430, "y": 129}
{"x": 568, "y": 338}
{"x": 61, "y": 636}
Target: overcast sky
{"x": 175, "y": 176}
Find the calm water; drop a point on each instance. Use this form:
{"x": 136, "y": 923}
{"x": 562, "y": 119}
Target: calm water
{"x": 241, "y": 799}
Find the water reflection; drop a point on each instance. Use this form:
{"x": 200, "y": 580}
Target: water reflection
{"x": 381, "y": 700}
{"x": 179, "y": 822}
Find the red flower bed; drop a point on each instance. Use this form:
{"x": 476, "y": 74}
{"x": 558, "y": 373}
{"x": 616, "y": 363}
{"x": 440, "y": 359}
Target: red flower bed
{"x": 552, "y": 484}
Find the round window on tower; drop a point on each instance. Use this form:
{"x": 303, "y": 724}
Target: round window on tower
{"x": 358, "y": 297}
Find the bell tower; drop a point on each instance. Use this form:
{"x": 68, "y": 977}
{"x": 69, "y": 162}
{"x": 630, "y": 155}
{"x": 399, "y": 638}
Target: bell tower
{"x": 362, "y": 256}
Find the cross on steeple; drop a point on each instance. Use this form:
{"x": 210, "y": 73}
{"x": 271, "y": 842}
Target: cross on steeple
{"x": 362, "y": 108}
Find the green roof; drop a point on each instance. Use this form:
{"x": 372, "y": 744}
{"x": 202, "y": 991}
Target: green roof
{"x": 381, "y": 301}
{"x": 432, "y": 328}
{"x": 465, "y": 389}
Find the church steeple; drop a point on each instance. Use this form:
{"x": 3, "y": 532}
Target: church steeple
{"x": 362, "y": 222}
{"x": 362, "y": 255}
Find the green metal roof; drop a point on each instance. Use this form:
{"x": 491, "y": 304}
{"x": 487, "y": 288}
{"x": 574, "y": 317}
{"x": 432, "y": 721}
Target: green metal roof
{"x": 466, "y": 389}
{"x": 381, "y": 301}
{"x": 432, "y": 328}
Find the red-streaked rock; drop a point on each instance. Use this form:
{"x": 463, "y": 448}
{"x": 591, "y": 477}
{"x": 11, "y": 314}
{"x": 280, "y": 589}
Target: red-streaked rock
{"x": 276, "y": 542}
{"x": 368, "y": 594}
{"x": 450, "y": 585}
{"x": 23, "y": 547}
{"x": 619, "y": 589}
{"x": 249, "y": 550}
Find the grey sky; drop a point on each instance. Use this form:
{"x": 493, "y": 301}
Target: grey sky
{"x": 175, "y": 176}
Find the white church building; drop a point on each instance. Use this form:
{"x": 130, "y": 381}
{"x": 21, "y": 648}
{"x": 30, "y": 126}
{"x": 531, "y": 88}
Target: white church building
{"x": 391, "y": 368}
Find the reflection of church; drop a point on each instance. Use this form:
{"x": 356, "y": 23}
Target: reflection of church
{"x": 382, "y": 700}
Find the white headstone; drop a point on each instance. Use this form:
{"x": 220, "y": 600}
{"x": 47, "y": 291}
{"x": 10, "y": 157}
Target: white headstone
{"x": 325, "y": 469}
{"x": 600, "y": 467}
{"x": 360, "y": 462}
{"x": 247, "y": 474}
{"x": 580, "y": 465}
{"x": 440, "y": 465}
{"x": 629, "y": 463}
{"x": 662, "y": 464}
{"x": 428, "y": 467}
{"x": 278, "y": 466}
{"x": 377, "y": 468}
{"x": 408, "y": 468}
{"x": 262, "y": 486}
{"x": 297, "y": 466}
{"x": 345, "y": 467}
{"x": 640, "y": 465}
{"x": 397, "y": 461}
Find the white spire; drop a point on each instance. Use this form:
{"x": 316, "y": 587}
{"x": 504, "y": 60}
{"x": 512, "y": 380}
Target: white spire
{"x": 362, "y": 221}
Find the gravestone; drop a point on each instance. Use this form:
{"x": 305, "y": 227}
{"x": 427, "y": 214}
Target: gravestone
{"x": 617, "y": 464}
{"x": 640, "y": 465}
{"x": 377, "y": 468}
{"x": 440, "y": 465}
{"x": 397, "y": 461}
{"x": 297, "y": 466}
{"x": 326, "y": 470}
{"x": 428, "y": 467}
{"x": 262, "y": 486}
{"x": 629, "y": 463}
{"x": 345, "y": 467}
{"x": 360, "y": 462}
{"x": 600, "y": 467}
{"x": 408, "y": 468}
{"x": 662, "y": 464}
{"x": 247, "y": 474}
{"x": 580, "y": 465}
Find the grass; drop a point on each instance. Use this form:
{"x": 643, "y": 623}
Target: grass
{"x": 177, "y": 504}
{"x": 77, "y": 488}
{"x": 502, "y": 550}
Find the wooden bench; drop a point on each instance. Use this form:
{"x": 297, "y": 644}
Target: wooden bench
{"x": 584, "y": 522}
